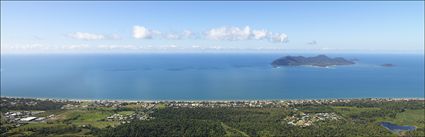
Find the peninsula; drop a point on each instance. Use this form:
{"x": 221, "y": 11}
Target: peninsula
{"x": 319, "y": 61}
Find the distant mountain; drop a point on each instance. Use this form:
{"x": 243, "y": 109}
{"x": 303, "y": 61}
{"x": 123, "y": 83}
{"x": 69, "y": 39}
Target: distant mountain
{"x": 320, "y": 61}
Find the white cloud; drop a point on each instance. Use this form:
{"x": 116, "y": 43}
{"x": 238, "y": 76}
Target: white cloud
{"x": 220, "y": 33}
{"x": 259, "y": 34}
{"x": 141, "y": 32}
{"x": 312, "y": 42}
{"x": 279, "y": 37}
{"x": 229, "y": 33}
{"x": 114, "y": 36}
{"x": 246, "y": 33}
{"x": 187, "y": 34}
{"x": 176, "y": 36}
{"x": 92, "y": 36}
{"x": 86, "y": 36}
{"x": 172, "y": 36}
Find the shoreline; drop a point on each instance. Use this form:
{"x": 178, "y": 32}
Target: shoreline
{"x": 213, "y": 100}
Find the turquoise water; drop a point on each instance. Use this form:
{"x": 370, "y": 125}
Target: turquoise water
{"x": 206, "y": 77}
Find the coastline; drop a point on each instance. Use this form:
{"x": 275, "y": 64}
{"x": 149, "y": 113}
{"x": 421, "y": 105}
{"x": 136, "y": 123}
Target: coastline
{"x": 218, "y": 100}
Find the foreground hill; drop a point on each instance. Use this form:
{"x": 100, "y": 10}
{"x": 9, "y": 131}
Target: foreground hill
{"x": 333, "y": 117}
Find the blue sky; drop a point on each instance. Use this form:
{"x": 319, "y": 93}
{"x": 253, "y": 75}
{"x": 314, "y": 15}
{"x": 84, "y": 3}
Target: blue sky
{"x": 212, "y": 26}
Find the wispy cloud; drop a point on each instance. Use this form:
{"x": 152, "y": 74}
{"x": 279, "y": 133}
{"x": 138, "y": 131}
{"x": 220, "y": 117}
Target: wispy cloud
{"x": 177, "y": 36}
{"x": 279, "y": 37}
{"x": 72, "y": 48}
{"x": 229, "y": 33}
{"x": 91, "y": 36}
{"x": 86, "y": 36}
{"x": 245, "y": 33}
{"x": 142, "y": 32}
{"x": 312, "y": 42}
{"x": 219, "y": 33}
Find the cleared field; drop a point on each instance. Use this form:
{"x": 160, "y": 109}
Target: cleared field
{"x": 126, "y": 112}
{"x": 409, "y": 117}
{"x": 347, "y": 111}
{"x": 88, "y": 117}
{"x": 160, "y": 106}
{"x": 66, "y": 119}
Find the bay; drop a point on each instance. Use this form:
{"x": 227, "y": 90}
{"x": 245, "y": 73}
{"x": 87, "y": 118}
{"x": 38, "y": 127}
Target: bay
{"x": 219, "y": 76}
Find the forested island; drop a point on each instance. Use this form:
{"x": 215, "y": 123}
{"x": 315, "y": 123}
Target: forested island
{"x": 319, "y": 61}
{"x": 326, "y": 117}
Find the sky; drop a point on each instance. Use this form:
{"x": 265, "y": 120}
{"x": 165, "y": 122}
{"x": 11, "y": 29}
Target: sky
{"x": 78, "y": 26}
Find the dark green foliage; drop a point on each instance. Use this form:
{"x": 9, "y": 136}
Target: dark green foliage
{"x": 252, "y": 121}
{"x": 217, "y": 122}
{"x": 54, "y": 130}
{"x": 7, "y": 104}
{"x": 124, "y": 109}
{"x": 3, "y": 130}
{"x": 167, "y": 128}
{"x": 420, "y": 132}
{"x": 315, "y": 109}
{"x": 371, "y": 116}
{"x": 394, "y": 105}
{"x": 69, "y": 120}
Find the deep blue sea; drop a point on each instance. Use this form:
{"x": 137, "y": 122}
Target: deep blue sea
{"x": 206, "y": 77}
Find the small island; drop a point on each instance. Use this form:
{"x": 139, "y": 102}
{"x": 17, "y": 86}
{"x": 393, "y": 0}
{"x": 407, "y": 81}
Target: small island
{"x": 387, "y": 65}
{"x": 319, "y": 61}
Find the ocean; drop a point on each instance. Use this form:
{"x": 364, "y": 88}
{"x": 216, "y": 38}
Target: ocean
{"x": 210, "y": 76}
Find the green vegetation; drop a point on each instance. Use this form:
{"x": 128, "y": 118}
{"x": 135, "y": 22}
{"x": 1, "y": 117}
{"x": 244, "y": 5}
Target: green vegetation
{"x": 240, "y": 122}
{"x": 165, "y": 127}
{"x": 232, "y": 132}
{"x": 349, "y": 111}
{"x": 160, "y": 106}
{"x": 126, "y": 112}
{"x": 354, "y": 118}
{"x": 44, "y": 129}
{"x": 409, "y": 117}
{"x": 30, "y": 104}
{"x": 93, "y": 118}
{"x": 67, "y": 122}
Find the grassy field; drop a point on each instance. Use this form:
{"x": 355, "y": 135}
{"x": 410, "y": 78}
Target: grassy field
{"x": 126, "y": 112}
{"x": 160, "y": 106}
{"x": 88, "y": 117}
{"x": 67, "y": 118}
{"x": 347, "y": 111}
{"x": 409, "y": 117}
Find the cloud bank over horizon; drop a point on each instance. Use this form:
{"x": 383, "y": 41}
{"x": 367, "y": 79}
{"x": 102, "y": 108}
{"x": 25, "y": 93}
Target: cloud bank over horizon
{"x": 220, "y": 33}
{"x": 92, "y": 36}
{"x": 219, "y": 26}
{"x": 245, "y": 33}
{"x": 142, "y": 33}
